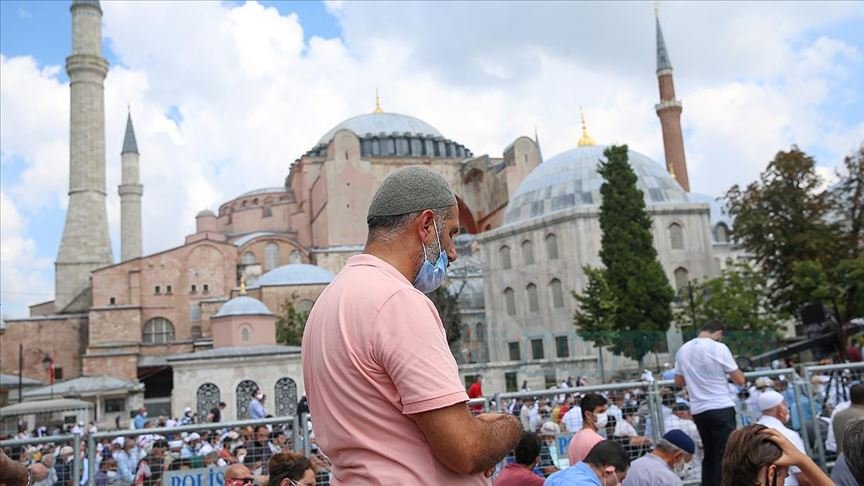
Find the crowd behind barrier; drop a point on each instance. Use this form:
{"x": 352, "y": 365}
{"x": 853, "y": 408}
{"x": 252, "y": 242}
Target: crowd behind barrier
{"x": 640, "y": 412}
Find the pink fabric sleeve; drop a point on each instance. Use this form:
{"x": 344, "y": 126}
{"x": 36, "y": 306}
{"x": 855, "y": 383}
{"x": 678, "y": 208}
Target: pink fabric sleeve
{"x": 409, "y": 343}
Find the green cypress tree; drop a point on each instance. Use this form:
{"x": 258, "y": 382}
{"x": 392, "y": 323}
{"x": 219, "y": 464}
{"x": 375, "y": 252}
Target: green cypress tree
{"x": 637, "y": 281}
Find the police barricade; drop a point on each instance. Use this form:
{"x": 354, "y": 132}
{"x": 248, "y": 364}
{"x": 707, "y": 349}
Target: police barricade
{"x": 828, "y": 389}
{"x": 630, "y": 400}
{"x": 478, "y": 405}
{"x": 43, "y": 449}
{"x": 193, "y": 471}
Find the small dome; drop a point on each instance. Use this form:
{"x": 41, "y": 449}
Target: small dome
{"x": 571, "y": 180}
{"x": 206, "y": 213}
{"x": 243, "y": 306}
{"x": 388, "y": 123}
{"x": 295, "y": 274}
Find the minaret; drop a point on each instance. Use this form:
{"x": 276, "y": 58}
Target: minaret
{"x": 85, "y": 244}
{"x": 669, "y": 111}
{"x": 130, "y": 191}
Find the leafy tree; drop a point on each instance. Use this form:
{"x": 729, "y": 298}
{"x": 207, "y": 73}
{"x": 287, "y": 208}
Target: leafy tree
{"x": 595, "y": 315}
{"x": 447, "y": 303}
{"x": 290, "y": 322}
{"x": 637, "y": 281}
{"x": 740, "y": 297}
{"x": 847, "y": 198}
{"x": 783, "y": 218}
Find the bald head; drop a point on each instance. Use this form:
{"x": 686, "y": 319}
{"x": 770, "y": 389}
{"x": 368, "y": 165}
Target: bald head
{"x": 237, "y": 471}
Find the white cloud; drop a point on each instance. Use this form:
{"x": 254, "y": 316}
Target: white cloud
{"x": 253, "y": 95}
{"x": 24, "y": 277}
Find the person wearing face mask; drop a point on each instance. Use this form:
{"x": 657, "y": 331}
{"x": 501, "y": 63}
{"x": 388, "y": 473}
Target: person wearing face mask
{"x": 594, "y": 417}
{"x": 775, "y": 415}
{"x": 607, "y": 464}
{"x": 373, "y": 335}
{"x": 681, "y": 419}
{"x": 256, "y": 406}
{"x": 666, "y": 464}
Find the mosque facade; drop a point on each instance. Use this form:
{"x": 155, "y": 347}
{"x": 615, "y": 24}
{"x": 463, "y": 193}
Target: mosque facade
{"x": 179, "y": 318}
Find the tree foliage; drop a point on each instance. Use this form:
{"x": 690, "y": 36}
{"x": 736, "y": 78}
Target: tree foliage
{"x": 447, "y": 303}
{"x": 290, "y": 323}
{"x": 640, "y": 287}
{"x": 595, "y": 315}
{"x": 806, "y": 238}
{"x": 741, "y": 298}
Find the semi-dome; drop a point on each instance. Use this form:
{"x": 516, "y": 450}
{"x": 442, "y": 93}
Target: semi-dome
{"x": 205, "y": 213}
{"x": 295, "y": 274}
{"x": 384, "y": 134}
{"x": 571, "y": 180}
{"x": 243, "y": 306}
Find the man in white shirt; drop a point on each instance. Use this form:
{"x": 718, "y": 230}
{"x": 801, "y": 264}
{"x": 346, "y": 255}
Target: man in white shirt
{"x": 573, "y": 419}
{"x": 775, "y": 414}
{"x": 704, "y": 365}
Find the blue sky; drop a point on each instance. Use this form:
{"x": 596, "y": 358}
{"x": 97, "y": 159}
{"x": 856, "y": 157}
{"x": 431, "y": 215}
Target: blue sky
{"x": 226, "y": 96}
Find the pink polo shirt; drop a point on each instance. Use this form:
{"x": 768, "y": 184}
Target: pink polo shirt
{"x": 581, "y": 444}
{"x": 374, "y": 352}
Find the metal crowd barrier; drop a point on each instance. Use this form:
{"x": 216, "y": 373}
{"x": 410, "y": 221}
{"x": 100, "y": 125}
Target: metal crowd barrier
{"x": 835, "y": 371}
{"x": 75, "y": 439}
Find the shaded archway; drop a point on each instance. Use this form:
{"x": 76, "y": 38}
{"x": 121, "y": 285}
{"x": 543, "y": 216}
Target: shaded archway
{"x": 466, "y": 218}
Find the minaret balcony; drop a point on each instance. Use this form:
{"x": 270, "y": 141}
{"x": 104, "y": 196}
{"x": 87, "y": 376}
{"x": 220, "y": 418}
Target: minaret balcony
{"x": 665, "y": 104}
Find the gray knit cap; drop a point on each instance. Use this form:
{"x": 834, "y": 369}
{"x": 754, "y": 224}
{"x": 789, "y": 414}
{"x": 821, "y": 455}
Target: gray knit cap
{"x": 411, "y": 189}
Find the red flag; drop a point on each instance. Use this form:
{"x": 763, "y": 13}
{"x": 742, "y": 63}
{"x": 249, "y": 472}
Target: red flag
{"x": 51, "y": 372}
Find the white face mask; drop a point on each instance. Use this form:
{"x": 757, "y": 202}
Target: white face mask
{"x": 636, "y": 420}
{"x": 602, "y": 420}
{"x": 680, "y": 468}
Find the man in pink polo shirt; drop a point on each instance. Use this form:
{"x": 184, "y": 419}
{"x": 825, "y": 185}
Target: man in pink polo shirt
{"x": 594, "y": 418}
{"x": 373, "y": 337}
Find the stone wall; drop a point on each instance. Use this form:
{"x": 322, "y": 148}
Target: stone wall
{"x": 64, "y": 338}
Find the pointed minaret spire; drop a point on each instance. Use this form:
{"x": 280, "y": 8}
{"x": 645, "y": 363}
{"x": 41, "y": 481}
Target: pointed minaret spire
{"x": 130, "y": 191}
{"x": 130, "y": 145}
{"x": 669, "y": 111}
{"x": 537, "y": 142}
{"x": 377, "y": 103}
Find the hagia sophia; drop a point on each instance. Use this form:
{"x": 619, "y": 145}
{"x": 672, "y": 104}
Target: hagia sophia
{"x": 200, "y": 317}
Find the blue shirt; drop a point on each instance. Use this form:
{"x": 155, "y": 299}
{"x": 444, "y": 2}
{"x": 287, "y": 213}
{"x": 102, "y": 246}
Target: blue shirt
{"x": 256, "y": 410}
{"x": 580, "y": 474}
{"x": 140, "y": 421}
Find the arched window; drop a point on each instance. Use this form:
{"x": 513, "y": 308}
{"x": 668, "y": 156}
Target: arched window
{"x": 721, "y": 233}
{"x": 527, "y": 252}
{"x": 480, "y": 334}
{"x": 676, "y": 236}
{"x": 294, "y": 257}
{"x": 271, "y": 256}
{"x": 682, "y": 276}
{"x": 510, "y": 301}
{"x": 248, "y": 258}
{"x": 245, "y": 334}
{"x": 504, "y": 252}
{"x": 245, "y": 391}
{"x": 285, "y": 397}
{"x": 158, "y": 331}
{"x": 466, "y": 333}
{"x": 557, "y": 293}
{"x": 533, "y": 301}
{"x": 208, "y": 397}
{"x": 552, "y": 246}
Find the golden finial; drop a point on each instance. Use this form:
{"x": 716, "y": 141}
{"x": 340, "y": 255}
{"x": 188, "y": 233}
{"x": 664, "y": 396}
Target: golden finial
{"x": 585, "y": 140}
{"x": 377, "y": 103}
{"x": 671, "y": 170}
{"x": 242, "y": 285}
{"x": 656, "y": 8}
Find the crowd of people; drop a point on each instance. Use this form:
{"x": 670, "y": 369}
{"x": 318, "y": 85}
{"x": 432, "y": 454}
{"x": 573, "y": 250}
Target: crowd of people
{"x": 145, "y": 458}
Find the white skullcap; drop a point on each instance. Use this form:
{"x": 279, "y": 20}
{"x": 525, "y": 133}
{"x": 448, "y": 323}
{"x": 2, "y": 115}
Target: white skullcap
{"x": 769, "y": 400}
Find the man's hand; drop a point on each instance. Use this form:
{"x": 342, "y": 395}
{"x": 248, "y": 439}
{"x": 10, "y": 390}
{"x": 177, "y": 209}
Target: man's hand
{"x": 467, "y": 444}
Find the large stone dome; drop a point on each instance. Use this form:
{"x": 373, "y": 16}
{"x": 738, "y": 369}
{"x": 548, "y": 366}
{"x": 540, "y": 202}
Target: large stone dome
{"x": 382, "y": 123}
{"x": 394, "y": 135}
{"x": 571, "y": 180}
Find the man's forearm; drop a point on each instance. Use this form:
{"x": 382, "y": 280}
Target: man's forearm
{"x": 12, "y": 473}
{"x": 500, "y": 432}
